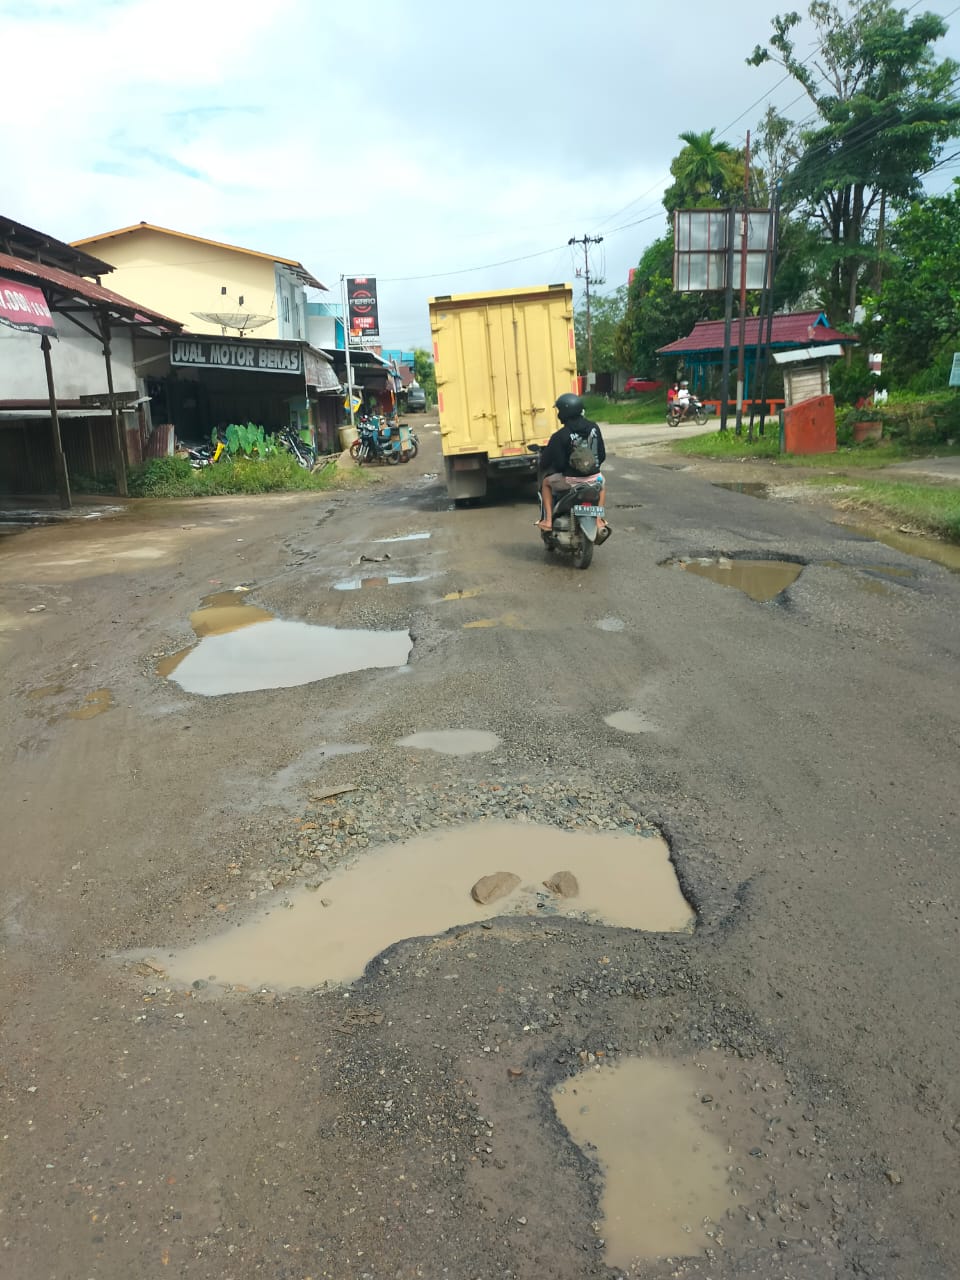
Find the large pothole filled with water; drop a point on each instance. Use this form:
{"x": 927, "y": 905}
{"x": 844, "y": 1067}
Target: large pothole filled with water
{"x": 330, "y": 931}
{"x": 761, "y": 580}
{"x": 242, "y": 648}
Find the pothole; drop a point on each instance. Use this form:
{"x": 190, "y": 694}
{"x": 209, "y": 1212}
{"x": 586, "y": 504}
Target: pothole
{"x": 452, "y": 742}
{"x": 405, "y": 537}
{"x": 666, "y": 1184}
{"x": 328, "y": 933}
{"x": 761, "y": 580}
{"x": 386, "y": 580}
{"x": 242, "y": 648}
{"x": 631, "y": 722}
{"x": 753, "y": 488}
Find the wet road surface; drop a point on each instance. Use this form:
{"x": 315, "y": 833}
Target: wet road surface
{"x": 798, "y": 754}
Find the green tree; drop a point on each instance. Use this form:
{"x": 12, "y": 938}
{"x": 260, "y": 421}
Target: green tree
{"x": 707, "y": 173}
{"x": 425, "y": 373}
{"x": 884, "y": 108}
{"x": 655, "y": 313}
{"x": 917, "y": 310}
{"x": 606, "y": 313}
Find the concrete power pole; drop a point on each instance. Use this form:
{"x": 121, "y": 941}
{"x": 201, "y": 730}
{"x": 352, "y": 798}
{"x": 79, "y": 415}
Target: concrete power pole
{"x": 587, "y": 241}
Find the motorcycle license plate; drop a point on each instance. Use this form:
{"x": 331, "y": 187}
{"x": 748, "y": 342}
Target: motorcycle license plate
{"x": 588, "y": 511}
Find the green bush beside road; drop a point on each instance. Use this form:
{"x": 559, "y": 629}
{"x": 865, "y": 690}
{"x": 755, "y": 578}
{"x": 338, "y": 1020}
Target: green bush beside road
{"x": 175, "y": 478}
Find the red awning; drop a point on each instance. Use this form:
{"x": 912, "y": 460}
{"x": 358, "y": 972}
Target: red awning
{"x": 24, "y": 307}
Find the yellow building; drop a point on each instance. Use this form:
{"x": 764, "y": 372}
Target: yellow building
{"x": 208, "y": 286}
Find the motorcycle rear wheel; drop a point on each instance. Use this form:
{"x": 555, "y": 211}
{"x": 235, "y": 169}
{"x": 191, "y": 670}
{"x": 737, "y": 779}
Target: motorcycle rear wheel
{"x": 393, "y": 457}
{"x": 583, "y": 553}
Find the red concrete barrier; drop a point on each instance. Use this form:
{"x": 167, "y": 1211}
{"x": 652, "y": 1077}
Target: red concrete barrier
{"x": 810, "y": 426}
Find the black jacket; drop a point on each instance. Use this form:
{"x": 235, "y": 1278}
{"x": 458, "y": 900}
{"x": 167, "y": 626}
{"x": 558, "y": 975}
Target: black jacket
{"x": 556, "y": 456}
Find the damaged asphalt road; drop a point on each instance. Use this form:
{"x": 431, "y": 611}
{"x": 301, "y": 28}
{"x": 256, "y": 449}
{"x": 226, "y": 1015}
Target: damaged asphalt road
{"x": 799, "y": 755}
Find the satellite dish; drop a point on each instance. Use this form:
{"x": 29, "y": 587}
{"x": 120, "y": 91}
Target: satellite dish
{"x": 239, "y": 320}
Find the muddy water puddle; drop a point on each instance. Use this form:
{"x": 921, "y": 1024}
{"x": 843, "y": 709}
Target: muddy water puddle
{"x": 911, "y": 544}
{"x": 761, "y": 580}
{"x": 665, "y": 1176}
{"x": 94, "y": 704}
{"x": 405, "y": 537}
{"x": 631, "y": 722}
{"x": 752, "y": 488}
{"x": 242, "y": 648}
{"x": 384, "y": 580}
{"x": 422, "y": 888}
{"x": 452, "y": 742}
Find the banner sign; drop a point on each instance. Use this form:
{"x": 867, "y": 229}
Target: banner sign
{"x": 254, "y": 357}
{"x": 24, "y": 307}
{"x": 362, "y": 305}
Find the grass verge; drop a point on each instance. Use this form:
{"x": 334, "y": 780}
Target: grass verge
{"x": 650, "y": 408}
{"x": 175, "y": 478}
{"x": 717, "y": 444}
{"x": 935, "y": 507}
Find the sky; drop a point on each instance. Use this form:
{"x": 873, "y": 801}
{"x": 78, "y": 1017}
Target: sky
{"x": 440, "y": 146}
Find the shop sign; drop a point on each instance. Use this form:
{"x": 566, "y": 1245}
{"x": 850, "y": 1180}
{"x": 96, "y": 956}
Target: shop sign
{"x": 24, "y": 307}
{"x": 362, "y": 305}
{"x": 210, "y": 353}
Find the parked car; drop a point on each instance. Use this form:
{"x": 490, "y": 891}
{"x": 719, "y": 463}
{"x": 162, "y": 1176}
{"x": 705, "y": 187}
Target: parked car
{"x": 416, "y": 400}
{"x": 639, "y": 383}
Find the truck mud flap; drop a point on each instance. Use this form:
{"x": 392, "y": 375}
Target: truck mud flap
{"x": 466, "y": 475}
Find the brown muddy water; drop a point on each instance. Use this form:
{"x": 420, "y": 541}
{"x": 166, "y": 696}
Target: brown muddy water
{"x": 421, "y": 888}
{"x": 911, "y": 544}
{"x": 452, "y": 742}
{"x": 761, "y": 580}
{"x": 94, "y": 704}
{"x": 242, "y": 648}
{"x": 665, "y": 1179}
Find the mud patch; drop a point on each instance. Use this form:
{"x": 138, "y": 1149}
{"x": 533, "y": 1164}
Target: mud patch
{"x": 761, "y": 580}
{"x": 665, "y": 1179}
{"x": 243, "y": 648}
{"x": 94, "y": 704}
{"x": 421, "y": 888}
{"x": 452, "y": 742}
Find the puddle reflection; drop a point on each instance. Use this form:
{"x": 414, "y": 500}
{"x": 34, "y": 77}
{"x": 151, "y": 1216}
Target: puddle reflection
{"x": 761, "y": 580}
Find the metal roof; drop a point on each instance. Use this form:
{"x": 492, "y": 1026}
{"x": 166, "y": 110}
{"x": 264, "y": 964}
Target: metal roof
{"x": 18, "y": 239}
{"x": 296, "y": 268}
{"x": 797, "y": 329}
{"x": 71, "y": 286}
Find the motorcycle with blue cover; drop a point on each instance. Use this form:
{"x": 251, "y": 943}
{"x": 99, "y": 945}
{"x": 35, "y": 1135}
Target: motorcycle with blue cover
{"x": 575, "y": 514}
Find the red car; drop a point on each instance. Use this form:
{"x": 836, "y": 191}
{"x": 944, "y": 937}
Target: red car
{"x": 638, "y": 383}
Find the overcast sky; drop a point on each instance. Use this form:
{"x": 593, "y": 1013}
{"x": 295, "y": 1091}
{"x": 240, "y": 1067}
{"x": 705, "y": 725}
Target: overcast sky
{"x": 391, "y": 138}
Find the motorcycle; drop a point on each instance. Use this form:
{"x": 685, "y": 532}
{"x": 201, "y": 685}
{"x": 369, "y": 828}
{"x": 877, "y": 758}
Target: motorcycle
{"x": 305, "y": 454}
{"x": 378, "y": 443}
{"x": 695, "y": 411}
{"x": 575, "y": 514}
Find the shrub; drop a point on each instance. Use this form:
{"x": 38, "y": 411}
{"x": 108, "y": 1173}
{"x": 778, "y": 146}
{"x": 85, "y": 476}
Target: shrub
{"x": 161, "y": 478}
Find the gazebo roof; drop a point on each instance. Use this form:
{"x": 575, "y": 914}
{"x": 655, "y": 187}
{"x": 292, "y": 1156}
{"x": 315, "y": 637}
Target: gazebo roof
{"x": 796, "y": 329}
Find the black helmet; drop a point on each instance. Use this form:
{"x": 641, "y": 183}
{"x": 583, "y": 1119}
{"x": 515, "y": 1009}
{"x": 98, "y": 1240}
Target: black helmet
{"x": 569, "y": 407}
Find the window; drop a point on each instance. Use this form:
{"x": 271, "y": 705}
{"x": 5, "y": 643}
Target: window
{"x": 285, "y": 302}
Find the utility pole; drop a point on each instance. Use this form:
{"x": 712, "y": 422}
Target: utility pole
{"x": 587, "y": 241}
{"x": 744, "y": 235}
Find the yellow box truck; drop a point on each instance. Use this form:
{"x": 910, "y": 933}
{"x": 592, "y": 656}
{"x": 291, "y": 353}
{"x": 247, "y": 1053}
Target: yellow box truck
{"x": 501, "y": 360}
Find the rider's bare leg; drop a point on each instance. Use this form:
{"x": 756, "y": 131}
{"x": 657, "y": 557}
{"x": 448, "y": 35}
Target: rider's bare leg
{"x": 546, "y": 497}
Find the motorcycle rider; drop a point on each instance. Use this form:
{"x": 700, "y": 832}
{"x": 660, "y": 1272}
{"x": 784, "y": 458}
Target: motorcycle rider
{"x": 575, "y": 429}
{"x": 681, "y": 402}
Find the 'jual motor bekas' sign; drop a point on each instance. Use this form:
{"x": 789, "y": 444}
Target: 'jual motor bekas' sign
{"x": 255, "y": 357}
{"x": 362, "y": 305}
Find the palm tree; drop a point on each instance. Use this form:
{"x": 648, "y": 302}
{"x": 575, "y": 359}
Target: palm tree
{"x": 706, "y": 172}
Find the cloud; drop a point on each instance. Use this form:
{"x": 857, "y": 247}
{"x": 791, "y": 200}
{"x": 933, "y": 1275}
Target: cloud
{"x": 407, "y": 138}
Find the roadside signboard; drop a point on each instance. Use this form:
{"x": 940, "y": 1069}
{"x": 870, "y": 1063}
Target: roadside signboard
{"x": 362, "y": 303}
{"x": 253, "y": 357}
{"x": 702, "y": 239}
{"x": 23, "y": 306}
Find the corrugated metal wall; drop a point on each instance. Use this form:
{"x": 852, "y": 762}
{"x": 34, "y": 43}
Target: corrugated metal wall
{"x": 26, "y": 453}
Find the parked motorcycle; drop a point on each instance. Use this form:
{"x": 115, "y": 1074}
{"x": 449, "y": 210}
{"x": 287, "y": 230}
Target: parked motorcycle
{"x": 305, "y": 454}
{"x": 377, "y": 443}
{"x": 575, "y": 515}
{"x": 696, "y": 412}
